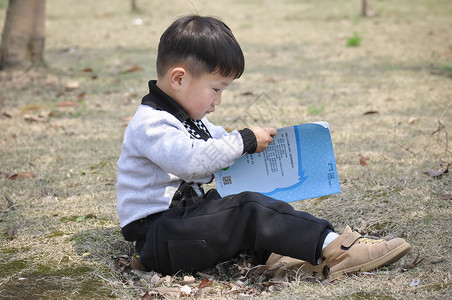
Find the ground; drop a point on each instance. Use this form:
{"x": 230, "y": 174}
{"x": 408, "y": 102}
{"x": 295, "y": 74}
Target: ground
{"x": 384, "y": 84}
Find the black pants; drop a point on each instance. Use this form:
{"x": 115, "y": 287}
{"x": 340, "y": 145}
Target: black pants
{"x": 212, "y": 229}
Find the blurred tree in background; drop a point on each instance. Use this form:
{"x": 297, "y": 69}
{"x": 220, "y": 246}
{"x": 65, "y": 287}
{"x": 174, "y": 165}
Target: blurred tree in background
{"x": 23, "y": 36}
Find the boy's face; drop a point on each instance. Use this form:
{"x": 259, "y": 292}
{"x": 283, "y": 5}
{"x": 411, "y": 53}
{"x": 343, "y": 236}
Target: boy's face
{"x": 199, "y": 95}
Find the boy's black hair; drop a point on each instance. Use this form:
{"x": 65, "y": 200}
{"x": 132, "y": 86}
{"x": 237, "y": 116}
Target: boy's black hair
{"x": 201, "y": 44}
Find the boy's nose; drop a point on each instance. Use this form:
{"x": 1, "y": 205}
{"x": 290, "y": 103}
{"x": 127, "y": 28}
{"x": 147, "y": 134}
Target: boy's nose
{"x": 217, "y": 100}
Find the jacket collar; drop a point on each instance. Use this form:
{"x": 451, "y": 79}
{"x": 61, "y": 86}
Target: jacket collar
{"x": 158, "y": 99}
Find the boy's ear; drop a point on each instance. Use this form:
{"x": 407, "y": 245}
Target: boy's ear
{"x": 177, "y": 75}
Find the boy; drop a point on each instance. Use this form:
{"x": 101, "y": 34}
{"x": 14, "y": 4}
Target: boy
{"x": 167, "y": 154}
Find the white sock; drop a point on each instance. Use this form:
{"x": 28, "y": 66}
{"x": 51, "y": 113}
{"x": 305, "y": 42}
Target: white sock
{"x": 329, "y": 238}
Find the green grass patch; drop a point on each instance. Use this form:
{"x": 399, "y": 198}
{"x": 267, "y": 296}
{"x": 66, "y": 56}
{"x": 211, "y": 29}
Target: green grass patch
{"x": 354, "y": 41}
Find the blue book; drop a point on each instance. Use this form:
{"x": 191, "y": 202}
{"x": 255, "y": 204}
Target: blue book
{"x": 298, "y": 165}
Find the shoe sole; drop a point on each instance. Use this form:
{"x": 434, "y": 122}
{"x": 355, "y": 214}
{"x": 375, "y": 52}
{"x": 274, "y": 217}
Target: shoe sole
{"x": 384, "y": 260}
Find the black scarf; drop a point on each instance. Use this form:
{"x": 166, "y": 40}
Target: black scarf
{"x": 161, "y": 101}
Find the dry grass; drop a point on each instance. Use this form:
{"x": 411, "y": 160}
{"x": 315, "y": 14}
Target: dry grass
{"x": 63, "y": 228}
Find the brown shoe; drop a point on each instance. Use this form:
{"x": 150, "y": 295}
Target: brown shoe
{"x": 280, "y": 266}
{"x": 350, "y": 252}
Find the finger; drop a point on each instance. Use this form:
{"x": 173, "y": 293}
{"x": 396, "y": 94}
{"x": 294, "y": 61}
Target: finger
{"x": 272, "y": 131}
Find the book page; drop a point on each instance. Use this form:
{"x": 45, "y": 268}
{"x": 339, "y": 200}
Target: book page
{"x": 299, "y": 164}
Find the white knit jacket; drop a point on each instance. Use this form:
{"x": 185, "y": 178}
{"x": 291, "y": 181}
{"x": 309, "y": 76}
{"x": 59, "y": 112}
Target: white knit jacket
{"x": 158, "y": 153}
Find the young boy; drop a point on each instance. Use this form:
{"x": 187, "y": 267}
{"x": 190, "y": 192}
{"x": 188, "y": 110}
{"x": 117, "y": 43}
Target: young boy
{"x": 170, "y": 149}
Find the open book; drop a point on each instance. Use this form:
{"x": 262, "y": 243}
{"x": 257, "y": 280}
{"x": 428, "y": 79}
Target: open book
{"x": 298, "y": 165}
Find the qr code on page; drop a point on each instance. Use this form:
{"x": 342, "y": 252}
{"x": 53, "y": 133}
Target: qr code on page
{"x": 226, "y": 180}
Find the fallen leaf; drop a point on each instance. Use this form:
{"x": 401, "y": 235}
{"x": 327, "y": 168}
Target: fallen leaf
{"x": 438, "y": 261}
{"x": 205, "y": 283}
{"x": 370, "y": 112}
{"x": 133, "y": 69}
{"x": 445, "y": 196}
{"x": 437, "y": 173}
{"x": 72, "y": 85}
{"x": 413, "y": 121}
{"x": 147, "y": 296}
{"x": 66, "y": 104}
{"x": 5, "y": 114}
{"x": 363, "y": 161}
{"x": 81, "y": 96}
{"x": 32, "y": 107}
{"x": 188, "y": 280}
{"x": 11, "y": 232}
{"x": 136, "y": 264}
{"x": 31, "y": 118}
{"x": 21, "y": 175}
{"x": 87, "y": 70}
{"x": 168, "y": 292}
{"x": 247, "y": 94}
{"x": 121, "y": 261}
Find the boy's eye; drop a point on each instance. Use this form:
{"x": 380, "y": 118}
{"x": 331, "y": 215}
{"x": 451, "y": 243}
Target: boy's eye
{"x": 216, "y": 90}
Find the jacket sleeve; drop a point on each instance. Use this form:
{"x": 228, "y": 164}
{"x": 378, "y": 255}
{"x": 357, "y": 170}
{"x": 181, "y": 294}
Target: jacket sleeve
{"x": 248, "y": 137}
{"x": 166, "y": 143}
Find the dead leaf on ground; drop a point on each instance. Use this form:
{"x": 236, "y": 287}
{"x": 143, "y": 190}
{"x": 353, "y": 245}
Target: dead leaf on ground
{"x": 437, "y": 173}
{"x": 66, "y": 104}
{"x": 413, "y": 121}
{"x": 11, "y": 232}
{"x": 72, "y": 85}
{"x": 188, "y": 280}
{"x": 87, "y": 70}
{"x": 21, "y": 175}
{"x": 363, "y": 161}
{"x": 205, "y": 283}
{"x": 148, "y": 296}
{"x": 132, "y": 69}
{"x": 31, "y": 107}
{"x": 31, "y": 118}
{"x": 370, "y": 112}
{"x": 445, "y": 196}
{"x": 81, "y": 96}
{"x": 8, "y": 115}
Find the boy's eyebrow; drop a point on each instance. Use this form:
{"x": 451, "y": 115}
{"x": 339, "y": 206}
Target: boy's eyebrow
{"x": 224, "y": 83}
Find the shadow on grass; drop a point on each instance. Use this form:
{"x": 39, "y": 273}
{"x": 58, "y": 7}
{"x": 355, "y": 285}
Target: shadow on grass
{"x": 100, "y": 245}
{"x": 69, "y": 280}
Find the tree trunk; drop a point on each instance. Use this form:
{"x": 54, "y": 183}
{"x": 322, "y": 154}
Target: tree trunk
{"x": 134, "y": 5}
{"x": 23, "y": 35}
{"x": 366, "y": 10}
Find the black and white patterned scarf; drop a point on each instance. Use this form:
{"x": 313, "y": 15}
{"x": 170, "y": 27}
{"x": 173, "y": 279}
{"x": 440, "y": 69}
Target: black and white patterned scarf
{"x": 197, "y": 129}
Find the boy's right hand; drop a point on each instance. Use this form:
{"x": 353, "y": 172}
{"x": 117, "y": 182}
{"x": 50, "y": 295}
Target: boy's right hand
{"x": 264, "y": 136}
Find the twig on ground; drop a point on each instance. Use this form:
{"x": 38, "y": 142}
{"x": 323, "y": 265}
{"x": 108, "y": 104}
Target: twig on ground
{"x": 438, "y": 130}
{"x": 11, "y": 204}
{"x": 413, "y": 264}
{"x": 398, "y": 144}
